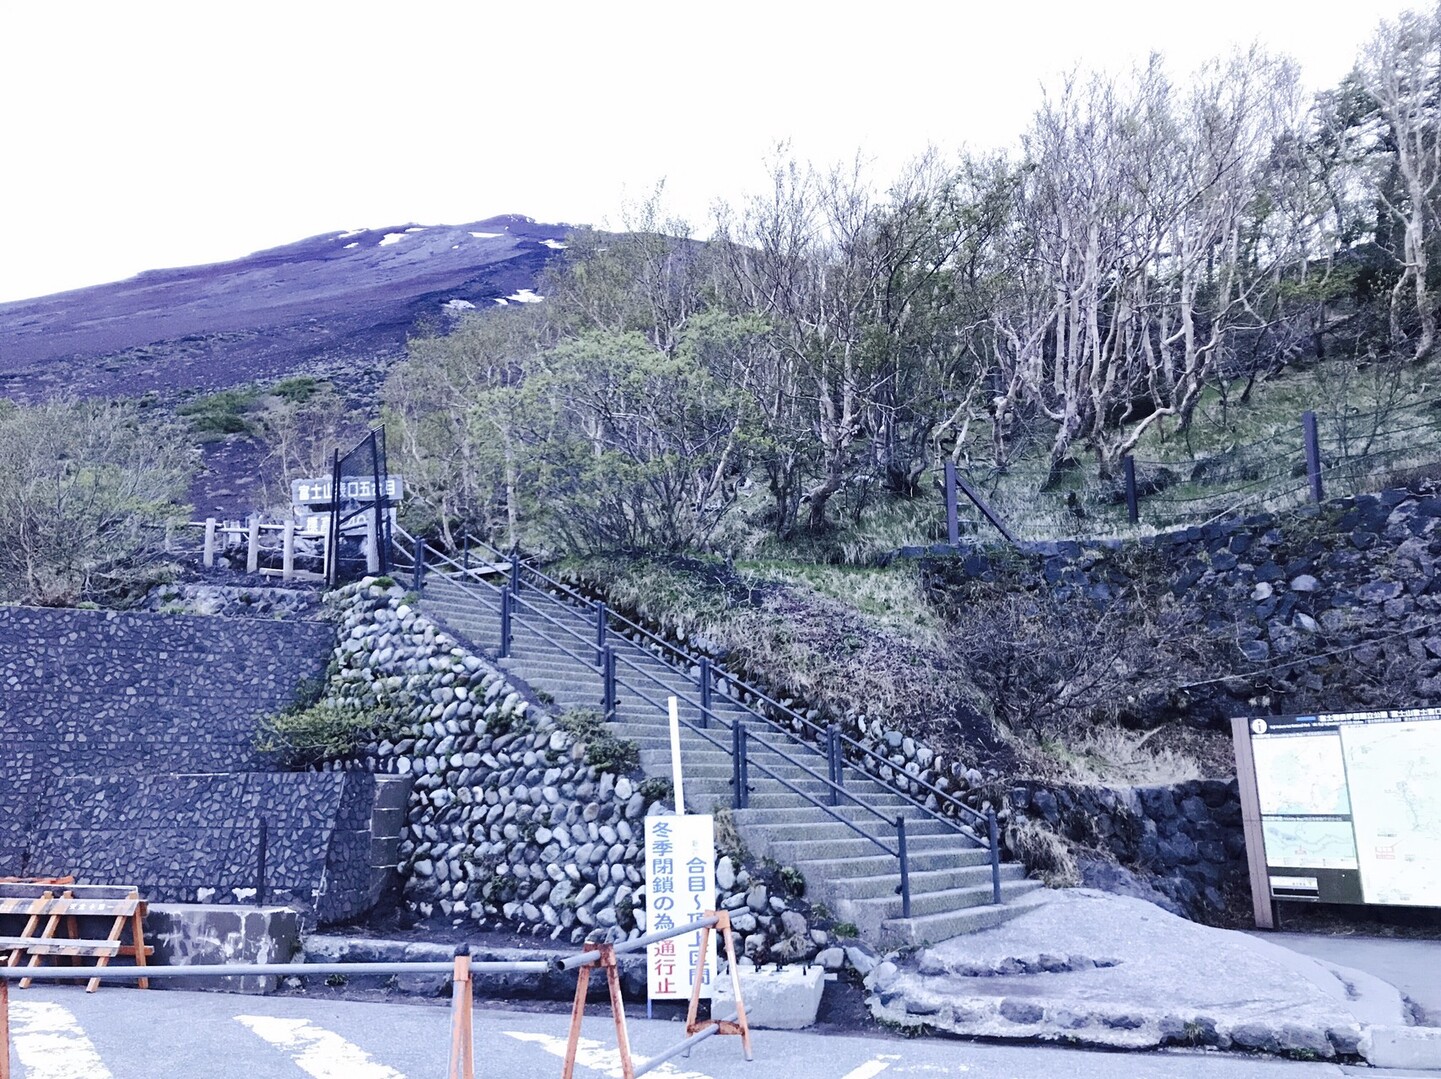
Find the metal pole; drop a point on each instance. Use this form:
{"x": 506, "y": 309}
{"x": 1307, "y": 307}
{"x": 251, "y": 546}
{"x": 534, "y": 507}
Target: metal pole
{"x": 737, "y": 800}
{"x": 1133, "y": 512}
{"x": 1313, "y": 454}
{"x": 833, "y": 746}
{"x": 262, "y": 849}
{"x": 418, "y": 564}
{"x": 332, "y": 539}
{"x": 995, "y": 833}
{"x": 465, "y": 554}
{"x": 515, "y": 569}
{"x": 905, "y": 867}
{"x": 505, "y": 622}
{"x": 745, "y": 767}
{"x": 209, "y": 541}
{"x": 608, "y": 703}
{"x": 705, "y": 698}
{"x": 953, "y": 524}
{"x": 600, "y": 624}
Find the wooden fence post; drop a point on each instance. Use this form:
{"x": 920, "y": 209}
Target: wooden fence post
{"x": 4, "y": 1029}
{"x": 287, "y": 557}
{"x": 209, "y": 541}
{"x": 252, "y": 552}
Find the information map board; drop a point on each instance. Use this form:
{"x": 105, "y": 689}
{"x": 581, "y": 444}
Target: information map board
{"x": 1342, "y": 808}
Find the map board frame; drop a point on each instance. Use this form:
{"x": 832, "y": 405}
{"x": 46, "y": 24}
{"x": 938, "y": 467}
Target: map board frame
{"x": 1324, "y": 805}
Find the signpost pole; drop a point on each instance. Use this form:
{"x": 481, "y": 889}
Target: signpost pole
{"x": 675, "y": 768}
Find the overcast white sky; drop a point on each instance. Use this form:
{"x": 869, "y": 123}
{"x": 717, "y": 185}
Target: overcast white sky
{"x": 146, "y": 134}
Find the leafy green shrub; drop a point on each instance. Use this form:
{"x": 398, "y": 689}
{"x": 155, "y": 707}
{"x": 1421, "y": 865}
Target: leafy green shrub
{"x": 603, "y": 750}
{"x": 308, "y": 734}
{"x": 657, "y": 789}
{"x": 218, "y": 414}
{"x": 88, "y": 493}
{"x": 793, "y": 879}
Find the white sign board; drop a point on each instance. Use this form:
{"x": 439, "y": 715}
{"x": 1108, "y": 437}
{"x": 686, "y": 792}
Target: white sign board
{"x": 679, "y": 888}
{"x": 1356, "y": 799}
{"x": 309, "y": 492}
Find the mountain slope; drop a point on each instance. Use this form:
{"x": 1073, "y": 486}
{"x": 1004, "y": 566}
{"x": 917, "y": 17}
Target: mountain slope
{"x": 336, "y": 305}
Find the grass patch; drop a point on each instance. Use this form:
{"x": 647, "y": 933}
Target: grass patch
{"x": 1113, "y": 756}
{"x": 1044, "y": 853}
{"x": 219, "y": 414}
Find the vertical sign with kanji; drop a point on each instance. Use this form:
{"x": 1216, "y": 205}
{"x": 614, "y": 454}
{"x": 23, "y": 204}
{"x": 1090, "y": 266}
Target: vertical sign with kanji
{"x": 679, "y": 888}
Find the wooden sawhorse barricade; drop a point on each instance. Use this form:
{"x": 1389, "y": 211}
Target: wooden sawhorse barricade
{"x": 696, "y": 1031}
{"x": 46, "y": 906}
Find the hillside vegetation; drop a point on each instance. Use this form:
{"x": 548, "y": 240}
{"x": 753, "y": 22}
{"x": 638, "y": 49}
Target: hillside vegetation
{"x": 1167, "y": 272}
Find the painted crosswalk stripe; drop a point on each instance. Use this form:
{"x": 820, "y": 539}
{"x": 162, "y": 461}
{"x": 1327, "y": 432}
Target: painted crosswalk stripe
{"x": 869, "y": 1070}
{"x": 51, "y": 1045}
{"x": 592, "y": 1054}
{"x": 317, "y": 1051}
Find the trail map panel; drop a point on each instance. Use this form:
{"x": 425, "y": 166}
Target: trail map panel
{"x": 1349, "y": 806}
{"x": 1302, "y": 774}
{"x": 1395, "y": 770}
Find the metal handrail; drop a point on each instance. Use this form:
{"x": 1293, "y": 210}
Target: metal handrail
{"x": 736, "y": 685}
{"x": 830, "y": 784}
{"x": 584, "y": 601}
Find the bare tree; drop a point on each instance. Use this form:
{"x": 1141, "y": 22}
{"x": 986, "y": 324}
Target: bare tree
{"x": 1401, "y": 71}
{"x": 1136, "y": 252}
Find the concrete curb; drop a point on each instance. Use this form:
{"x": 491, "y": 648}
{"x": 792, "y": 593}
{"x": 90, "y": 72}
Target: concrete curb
{"x": 1417, "y": 1048}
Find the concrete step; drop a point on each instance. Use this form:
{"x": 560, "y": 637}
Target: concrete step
{"x": 933, "y": 928}
{"x": 949, "y": 883}
{"x": 874, "y": 911}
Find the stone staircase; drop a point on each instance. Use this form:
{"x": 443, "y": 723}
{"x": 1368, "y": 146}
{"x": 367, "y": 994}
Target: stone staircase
{"x": 553, "y": 654}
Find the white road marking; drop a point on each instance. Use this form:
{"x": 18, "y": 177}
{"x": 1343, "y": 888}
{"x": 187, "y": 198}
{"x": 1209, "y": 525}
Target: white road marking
{"x": 317, "y": 1051}
{"x": 51, "y": 1045}
{"x": 869, "y": 1070}
{"x": 592, "y": 1054}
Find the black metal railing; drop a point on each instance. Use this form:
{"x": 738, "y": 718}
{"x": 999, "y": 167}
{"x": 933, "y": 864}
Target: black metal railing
{"x": 505, "y": 600}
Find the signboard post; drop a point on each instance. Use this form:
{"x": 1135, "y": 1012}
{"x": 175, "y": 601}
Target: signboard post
{"x": 679, "y": 888}
{"x": 1341, "y": 808}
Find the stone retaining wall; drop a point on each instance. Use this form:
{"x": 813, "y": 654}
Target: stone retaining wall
{"x": 508, "y": 825}
{"x": 1184, "y": 840}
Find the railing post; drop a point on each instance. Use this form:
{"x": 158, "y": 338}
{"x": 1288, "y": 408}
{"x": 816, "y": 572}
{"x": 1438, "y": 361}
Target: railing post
{"x": 287, "y": 551}
{"x": 1133, "y": 511}
{"x": 905, "y": 867}
{"x": 419, "y": 565}
{"x": 465, "y": 554}
{"x": 462, "y": 1022}
{"x": 262, "y": 849}
{"x": 995, "y": 834}
{"x": 209, "y": 541}
{"x": 1313, "y": 454}
{"x": 515, "y": 569}
{"x": 609, "y": 703}
{"x": 833, "y": 761}
{"x": 953, "y": 524}
{"x": 705, "y": 690}
{"x": 600, "y": 624}
{"x": 252, "y": 546}
{"x": 372, "y": 545}
{"x": 740, "y": 770}
{"x": 505, "y": 622}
